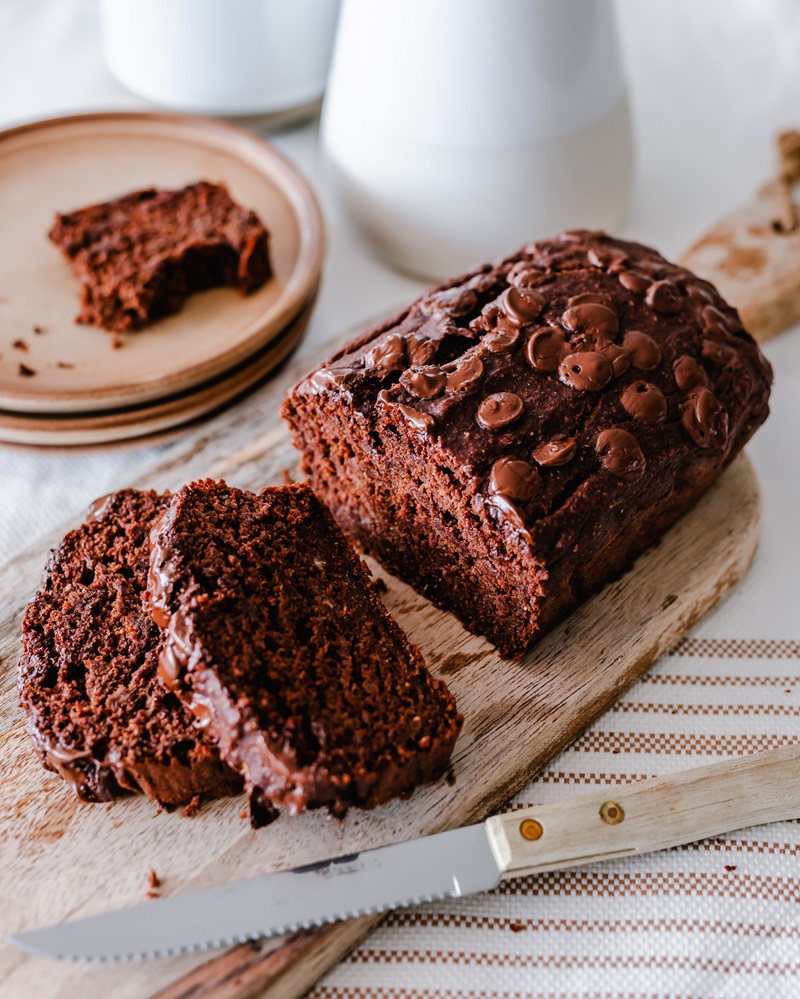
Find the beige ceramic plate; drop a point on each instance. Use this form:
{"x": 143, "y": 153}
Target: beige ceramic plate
{"x": 65, "y": 163}
{"x": 76, "y": 429}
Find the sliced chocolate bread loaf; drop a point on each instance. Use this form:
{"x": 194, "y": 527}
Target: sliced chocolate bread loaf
{"x": 278, "y": 644}
{"x": 98, "y": 714}
{"x": 138, "y": 257}
{"x": 515, "y": 438}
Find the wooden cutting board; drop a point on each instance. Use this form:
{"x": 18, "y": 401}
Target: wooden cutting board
{"x": 60, "y": 858}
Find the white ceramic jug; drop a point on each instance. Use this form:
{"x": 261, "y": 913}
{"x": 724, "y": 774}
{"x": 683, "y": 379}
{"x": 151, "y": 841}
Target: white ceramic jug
{"x": 456, "y": 130}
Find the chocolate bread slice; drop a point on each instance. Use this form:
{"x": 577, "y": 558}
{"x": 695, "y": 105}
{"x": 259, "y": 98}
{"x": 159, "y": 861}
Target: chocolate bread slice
{"x": 140, "y": 256}
{"x": 98, "y": 714}
{"x": 515, "y": 438}
{"x": 279, "y": 645}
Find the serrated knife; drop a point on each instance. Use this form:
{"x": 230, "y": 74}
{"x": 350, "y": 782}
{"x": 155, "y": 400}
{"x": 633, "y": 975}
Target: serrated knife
{"x": 611, "y": 822}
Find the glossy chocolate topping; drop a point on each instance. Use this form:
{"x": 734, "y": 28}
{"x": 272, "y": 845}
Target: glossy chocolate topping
{"x": 664, "y": 297}
{"x": 705, "y": 419}
{"x": 499, "y": 410}
{"x": 620, "y": 453}
{"x": 464, "y": 375}
{"x": 424, "y": 383}
{"x": 515, "y": 479}
{"x": 546, "y": 347}
{"x": 587, "y": 371}
{"x": 634, "y": 281}
{"x": 555, "y": 452}
{"x": 688, "y": 373}
{"x": 620, "y": 358}
{"x": 594, "y": 318}
{"x": 522, "y": 306}
{"x": 645, "y": 352}
{"x": 546, "y": 353}
{"x": 644, "y": 402}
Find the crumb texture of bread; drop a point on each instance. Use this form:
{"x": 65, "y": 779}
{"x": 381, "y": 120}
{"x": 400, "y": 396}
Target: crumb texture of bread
{"x": 97, "y": 712}
{"x": 518, "y": 436}
{"x": 139, "y": 257}
{"x": 285, "y": 654}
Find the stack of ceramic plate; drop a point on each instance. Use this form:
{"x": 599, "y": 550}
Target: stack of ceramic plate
{"x": 62, "y": 383}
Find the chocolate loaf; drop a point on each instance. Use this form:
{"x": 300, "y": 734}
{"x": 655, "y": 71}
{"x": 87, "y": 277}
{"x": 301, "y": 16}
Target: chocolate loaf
{"x": 279, "y": 645}
{"x": 140, "y": 256}
{"x": 516, "y": 437}
{"x": 97, "y": 712}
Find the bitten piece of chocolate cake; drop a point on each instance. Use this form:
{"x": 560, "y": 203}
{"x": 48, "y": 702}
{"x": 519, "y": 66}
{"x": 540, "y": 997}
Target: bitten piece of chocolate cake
{"x": 140, "y": 256}
{"x": 97, "y": 712}
{"x": 282, "y": 650}
{"x": 516, "y": 437}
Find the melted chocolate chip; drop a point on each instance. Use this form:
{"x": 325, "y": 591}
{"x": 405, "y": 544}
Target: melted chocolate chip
{"x": 592, "y": 298}
{"x": 522, "y": 307}
{"x": 645, "y": 352}
{"x": 634, "y": 281}
{"x": 557, "y": 451}
{"x": 514, "y": 479}
{"x": 511, "y": 514}
{"x": 608, "y": 260}
{"x": 421, "y": 349}
{"x": 715, "y": 323}
{"x": 699, "y": 293}
{"x": 705, "y": 419}
{"x": 389, "y": 354}
{"x": 619, "y": 453}
{"x": 502, "y": 339}
{"x": 721, "y": 354}
{"x": 452, "y": 302}
{"x": 483, "y": 283}
{"x": 588, "y": 371}
{"x": 327, "y": 378}
{"x": 525, "y": 276}
{"x": 425, "y": 382}
{"x": 644, "y": 402}
{"x": 664, "y": 296}
{"x": 499, "y": 410}
{"x": 688, "y": 373}
{"x": 546, "y": 348}
{"x": 593, "y": 319}
{"x": 619, "y": 357}
{"x": 464, "y": 375}
{"x": 418, "y": 420}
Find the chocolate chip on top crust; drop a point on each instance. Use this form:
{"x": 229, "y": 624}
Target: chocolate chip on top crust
{"x": 531, "y": 359}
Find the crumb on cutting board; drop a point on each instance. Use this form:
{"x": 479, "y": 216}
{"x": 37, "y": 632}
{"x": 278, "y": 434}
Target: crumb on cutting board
{"x": 20, "y": 345}
{"x": 25, "y": 371}
{"x": 192, "y": 808}
{"x": 64, "y": 364}
{"x": 39, "y": 330}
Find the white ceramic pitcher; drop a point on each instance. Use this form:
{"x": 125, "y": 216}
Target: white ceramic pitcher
{"x": 456, "y": 130}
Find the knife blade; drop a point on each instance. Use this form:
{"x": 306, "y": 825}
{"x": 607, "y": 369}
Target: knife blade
{"x": 448, "y": 864}
{"x": 641, "y": 817}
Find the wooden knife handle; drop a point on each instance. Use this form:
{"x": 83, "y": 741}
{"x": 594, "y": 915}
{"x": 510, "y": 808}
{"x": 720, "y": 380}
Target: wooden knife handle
{"x": 649, "y": 815}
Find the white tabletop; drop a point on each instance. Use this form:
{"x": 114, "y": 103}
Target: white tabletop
{"x": 712, "y": 82}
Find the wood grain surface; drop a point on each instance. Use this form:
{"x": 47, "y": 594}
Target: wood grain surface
{"x": 60, "y": 858}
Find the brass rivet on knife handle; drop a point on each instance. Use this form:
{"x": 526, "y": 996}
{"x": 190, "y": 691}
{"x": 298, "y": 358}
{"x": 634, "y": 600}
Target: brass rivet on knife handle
{"x": 530, "y": 829}
{"x": 612, "y": 813}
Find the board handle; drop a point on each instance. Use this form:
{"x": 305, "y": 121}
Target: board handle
{"x": 649, "y": 815}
